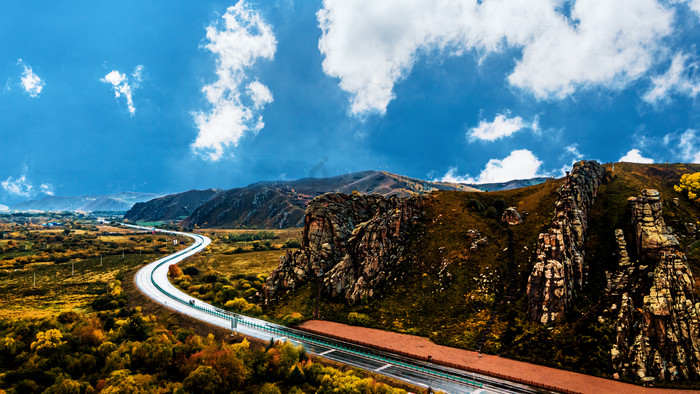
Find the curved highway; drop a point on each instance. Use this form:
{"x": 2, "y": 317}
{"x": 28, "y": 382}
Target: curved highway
{"x": 153, "y": 281}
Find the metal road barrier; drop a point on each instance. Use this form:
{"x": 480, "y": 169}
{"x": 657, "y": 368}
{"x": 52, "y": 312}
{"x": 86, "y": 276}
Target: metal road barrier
{"x": 238, "y": 319}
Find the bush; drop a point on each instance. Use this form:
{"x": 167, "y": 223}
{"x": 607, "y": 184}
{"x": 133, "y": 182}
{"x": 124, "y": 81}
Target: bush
{"x": 174, "y": 271}
{"x": 689, "y": 185}
{"x": 499, "y": 204}
{"x": 475, "y": 205}
{"x": 191, "y": 271}
{"x": 291, "y": 244}
{"x": 358, "y": 319}
{"x": 492, "y": 213}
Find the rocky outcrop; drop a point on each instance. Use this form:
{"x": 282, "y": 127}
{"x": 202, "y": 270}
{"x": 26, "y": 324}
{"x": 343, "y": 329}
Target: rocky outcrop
{"x": 658, "y": 327}
{"x": 511, "y": 216}
{"x": 559, "y": 270}
{"x": 351, "y": 246}
{"x": 651, "y": 233}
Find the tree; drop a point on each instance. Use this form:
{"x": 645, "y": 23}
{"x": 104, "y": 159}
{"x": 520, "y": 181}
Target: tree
{"x": 689, "y": 185}
{"x": 203, "y": 380}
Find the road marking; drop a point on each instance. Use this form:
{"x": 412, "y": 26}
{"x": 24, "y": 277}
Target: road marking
{"x": 326, "y": 352}
{"x": 479, "y": 391}
{"x": 383, "y": 366}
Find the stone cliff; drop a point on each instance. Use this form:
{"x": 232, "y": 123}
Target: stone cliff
{"x": 657, "y": 325}
{"x": 559, "y": 271}
{"x": 351, "y": 245}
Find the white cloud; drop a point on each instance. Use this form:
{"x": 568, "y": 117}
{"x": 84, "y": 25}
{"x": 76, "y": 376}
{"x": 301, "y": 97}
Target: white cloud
{"x": 120, "y": 84}
{"x": 371, "y": 45}
{"x": 31, "y": 82}
{"x": 47, "y": 189}
{"x": 260, "y": 94}
{"x": 685, "y": 146}
{"x": 19, "y": 187}
{"x": 501, "y": 126}
{"x": 681, "y": 77}
{"x": 520, "y": 164}
{"x": 573, "y": 152}
{"x": 238, "y": 43}
{"x": 635, "y": 156}
{"x": 22, "y": 187}
{"x": 695, "y": 6}
{"x": 4, "y": 207}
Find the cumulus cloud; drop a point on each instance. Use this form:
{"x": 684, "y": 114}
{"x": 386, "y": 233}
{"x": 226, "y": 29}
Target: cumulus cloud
{"x": 31, "y": 83}
{"x": 238, "y": 41}
{"x": 19, "y": 187}
{"x": 371, "y": 45}
{"x": 635, "y": 156}
{"x": 502, "y": 126}
{"x": 682, "y": 77}
{"x": 121, "y": 86}
{"x": 520, "y": 164}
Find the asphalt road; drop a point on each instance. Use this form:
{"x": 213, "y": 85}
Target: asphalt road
{"x": 153, "y": 281}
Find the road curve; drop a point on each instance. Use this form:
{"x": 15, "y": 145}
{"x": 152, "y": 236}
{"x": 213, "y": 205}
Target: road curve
{"x": 153, "y": 281}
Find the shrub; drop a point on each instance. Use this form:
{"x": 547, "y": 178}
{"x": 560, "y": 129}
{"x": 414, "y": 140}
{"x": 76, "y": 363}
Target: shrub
{"x": 291, "y": 244}
{"x": 499, "y": 204}
{"x": 358, "y": 319}
{"x": 269, "y": 388}
{"x": 491, "y": 212}
{"x": 689, "y": 185}
{"x": 475, "y": 205}
{"x": 191, "y": 271}
{"x": 174, "y": 271}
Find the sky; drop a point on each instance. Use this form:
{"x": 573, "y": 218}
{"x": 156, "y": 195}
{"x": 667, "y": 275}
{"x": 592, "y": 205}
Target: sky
{"x": 111, "y": 96}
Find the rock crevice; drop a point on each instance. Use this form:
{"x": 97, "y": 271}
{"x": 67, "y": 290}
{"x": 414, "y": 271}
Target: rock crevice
{"x": 559, "y": 270}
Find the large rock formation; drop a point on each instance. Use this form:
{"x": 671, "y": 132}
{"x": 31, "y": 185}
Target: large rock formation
{"x": 351, "y": 245}
{"x": 559, "y": 270}
{"x": 659, "y": 339}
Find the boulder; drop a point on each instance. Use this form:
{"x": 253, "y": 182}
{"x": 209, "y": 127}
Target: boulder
{"x": 511, "y": 216}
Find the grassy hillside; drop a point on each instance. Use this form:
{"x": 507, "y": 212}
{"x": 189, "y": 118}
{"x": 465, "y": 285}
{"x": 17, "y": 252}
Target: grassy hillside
{"x": 473, "y": 300}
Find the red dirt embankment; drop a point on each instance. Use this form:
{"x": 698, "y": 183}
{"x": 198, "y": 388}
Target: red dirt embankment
{"x": 517, "y": 371}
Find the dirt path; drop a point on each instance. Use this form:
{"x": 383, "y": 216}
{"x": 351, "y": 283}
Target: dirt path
{"x": 423, "y": 348}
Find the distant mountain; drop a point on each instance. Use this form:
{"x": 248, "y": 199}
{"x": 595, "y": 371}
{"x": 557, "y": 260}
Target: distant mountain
{"x": 514, "y": 184}
{"x": 4, "y": 207}
{"x": 108, "y": 202}
{"x": 283, "y": 203}
{"x": 171, "y": 207}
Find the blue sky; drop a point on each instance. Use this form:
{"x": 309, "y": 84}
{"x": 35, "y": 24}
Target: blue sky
{"x": 110, "y": 96}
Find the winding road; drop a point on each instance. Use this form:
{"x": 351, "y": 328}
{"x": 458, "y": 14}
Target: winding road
{"x": 153, "y": 281}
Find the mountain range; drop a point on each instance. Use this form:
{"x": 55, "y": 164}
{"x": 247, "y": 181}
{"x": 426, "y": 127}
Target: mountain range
{"x": 109, "y": 202}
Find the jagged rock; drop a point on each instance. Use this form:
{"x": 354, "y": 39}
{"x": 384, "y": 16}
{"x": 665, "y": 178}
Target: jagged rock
{"x": 474, "y": 236}
{"x": 660, "y": 339}
{"x": 351, "y": 243}
{"x": 559, "y": 269}
{"x": 691, "y": 229}
{"x": 652, "y": 234}
{"x": 511, "y": 216}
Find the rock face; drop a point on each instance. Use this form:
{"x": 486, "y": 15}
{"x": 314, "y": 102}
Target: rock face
{"x": 559, "y": 270}
{"x": 659, "y": 338}
{"x": 352, "y": 243}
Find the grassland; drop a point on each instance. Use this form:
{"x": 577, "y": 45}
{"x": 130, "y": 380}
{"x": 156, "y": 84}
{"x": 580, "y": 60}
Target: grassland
{"x": 77, "y": 330}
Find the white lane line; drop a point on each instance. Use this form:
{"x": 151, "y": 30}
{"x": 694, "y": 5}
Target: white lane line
{"x": 326, "y": 352}
{"x": 382, "y": 367}
{"x": 479, "y": 391}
